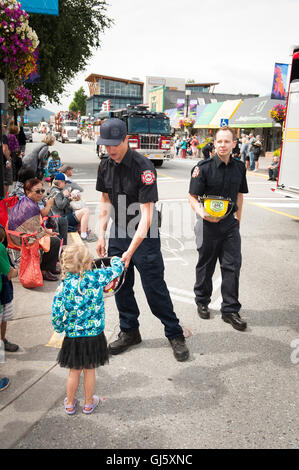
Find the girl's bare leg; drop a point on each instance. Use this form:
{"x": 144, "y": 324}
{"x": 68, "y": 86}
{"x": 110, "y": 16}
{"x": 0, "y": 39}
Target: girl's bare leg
{"x": 89, "y": 384}
{"x": 72, "y": 385}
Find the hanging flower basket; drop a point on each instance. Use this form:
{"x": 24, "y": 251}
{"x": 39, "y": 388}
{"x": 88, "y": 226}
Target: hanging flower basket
{"x": 20, "y": 98}
{"x": 278, "y": 113}
{"x": 186, "y": 122}
{"x": 18, "y": 42}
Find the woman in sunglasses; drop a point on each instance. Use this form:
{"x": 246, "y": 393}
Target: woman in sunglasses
{"x": 25, "y": 217}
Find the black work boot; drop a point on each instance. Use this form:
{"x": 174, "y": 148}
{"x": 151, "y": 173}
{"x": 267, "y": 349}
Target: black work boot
{"x": 179, "y": 347}
{"x": 235, "y": 320}
{"x": 203, "y": 311}
{"x": 124, "y": 341}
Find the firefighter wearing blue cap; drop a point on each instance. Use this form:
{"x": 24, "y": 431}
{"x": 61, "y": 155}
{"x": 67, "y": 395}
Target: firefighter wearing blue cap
{"x": 216, "y": 193}
{"x": 128, "y": 183}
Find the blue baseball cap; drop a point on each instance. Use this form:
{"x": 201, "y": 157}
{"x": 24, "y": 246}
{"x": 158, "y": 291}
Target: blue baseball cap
{"x": 112, "y": 132}
{"x": 60, "y": 177}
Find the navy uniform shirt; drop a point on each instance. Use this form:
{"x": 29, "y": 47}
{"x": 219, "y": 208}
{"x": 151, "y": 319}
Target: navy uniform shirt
{"x": 128, "y": 184}
{"x": 213, "y": 177}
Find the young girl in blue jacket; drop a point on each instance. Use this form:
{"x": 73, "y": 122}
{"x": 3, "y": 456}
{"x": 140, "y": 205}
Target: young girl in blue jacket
{"x": 78, "y": 310}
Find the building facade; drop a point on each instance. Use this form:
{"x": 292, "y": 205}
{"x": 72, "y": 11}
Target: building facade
{"x": 119, "y": 91}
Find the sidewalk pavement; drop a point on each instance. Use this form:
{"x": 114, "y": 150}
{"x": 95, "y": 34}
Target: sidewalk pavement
{"x": 32, "y": 370}
{"x": 147, "y": 376}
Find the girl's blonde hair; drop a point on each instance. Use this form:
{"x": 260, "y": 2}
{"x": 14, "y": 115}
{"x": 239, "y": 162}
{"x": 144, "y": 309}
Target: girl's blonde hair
{"x": 49, "y": 139}
{"x": 75, "y": 259}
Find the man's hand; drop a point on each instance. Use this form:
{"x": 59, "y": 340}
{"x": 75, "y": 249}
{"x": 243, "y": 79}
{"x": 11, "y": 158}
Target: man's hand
{"x": 200, "y": 210}
{"x": 12, "y": 273}
{"x": 126, "y": 258}
{"x": 205, "y": 216}
{"x": 50, "y": 202}
{"x": 101, "y": 247}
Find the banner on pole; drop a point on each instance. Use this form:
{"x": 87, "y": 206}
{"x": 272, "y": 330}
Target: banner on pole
{"x": 193, "y": 106}
{"x": 180, "y": 107}
{"x": 279, "y": 81}
{"x": 43, "y": 7}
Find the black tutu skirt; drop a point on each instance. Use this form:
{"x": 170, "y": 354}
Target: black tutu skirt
{"x": 86, "y": 352}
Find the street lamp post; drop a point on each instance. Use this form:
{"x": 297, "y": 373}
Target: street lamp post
{"x": 187, "y": 93}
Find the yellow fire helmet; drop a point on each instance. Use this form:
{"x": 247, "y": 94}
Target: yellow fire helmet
{"x": 217, "y": 206}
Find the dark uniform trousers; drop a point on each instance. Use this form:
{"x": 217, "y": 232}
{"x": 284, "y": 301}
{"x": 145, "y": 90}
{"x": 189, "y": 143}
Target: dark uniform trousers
{"x": 149, "y": 262}
{"x": 221, "y": 241}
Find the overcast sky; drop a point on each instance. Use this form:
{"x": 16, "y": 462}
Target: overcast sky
{"x": 227, "y": 41}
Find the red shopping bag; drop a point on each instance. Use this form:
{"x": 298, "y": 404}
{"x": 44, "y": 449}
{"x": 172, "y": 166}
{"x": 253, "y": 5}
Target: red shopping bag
{"x": 30, "y": 273}
{"x": 5, "y": 205}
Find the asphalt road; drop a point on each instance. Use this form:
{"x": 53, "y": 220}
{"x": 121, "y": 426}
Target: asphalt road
{"x": 238, "y": 390}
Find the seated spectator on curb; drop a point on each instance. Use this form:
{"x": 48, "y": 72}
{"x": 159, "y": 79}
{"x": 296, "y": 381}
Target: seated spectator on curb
{"x": 6, "y": 296}
{"x": 62, "y": 207}
{"x": 25, "y": 217}
{"x": 273, "y": 169}
{"x": 24, "y": 174}
{"x": 70, "y": 185}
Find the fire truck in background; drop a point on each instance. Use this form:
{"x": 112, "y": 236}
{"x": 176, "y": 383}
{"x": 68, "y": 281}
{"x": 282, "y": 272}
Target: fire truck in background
{"x": 288, "y": 176}
{"x": 149, "y": 132}
{"x": 67, "y": 127}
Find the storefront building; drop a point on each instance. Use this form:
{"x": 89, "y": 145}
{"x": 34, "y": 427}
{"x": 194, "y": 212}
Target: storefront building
{"x": 254, "y": 116}
{"x": 119, "y": 91}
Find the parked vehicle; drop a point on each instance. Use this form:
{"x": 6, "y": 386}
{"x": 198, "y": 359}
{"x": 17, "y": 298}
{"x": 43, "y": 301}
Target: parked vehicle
{"x": 288, "y": 176}
{"x": 28, "y": 134}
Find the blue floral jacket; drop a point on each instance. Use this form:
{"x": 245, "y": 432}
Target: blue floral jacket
{"x": 83, "y": 314}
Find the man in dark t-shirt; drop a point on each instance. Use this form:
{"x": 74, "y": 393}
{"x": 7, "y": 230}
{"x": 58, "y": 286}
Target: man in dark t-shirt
{"x": 222, "y": 176}
{"x": 128, "y": 183}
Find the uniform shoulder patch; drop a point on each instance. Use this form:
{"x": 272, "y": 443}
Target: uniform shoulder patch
{"x": 148, "y": 177}
{"x": 195, "y": 172}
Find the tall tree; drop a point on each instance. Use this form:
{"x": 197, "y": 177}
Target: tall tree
{"x": 66, "y": 44}
{"x": 79, "y": 101}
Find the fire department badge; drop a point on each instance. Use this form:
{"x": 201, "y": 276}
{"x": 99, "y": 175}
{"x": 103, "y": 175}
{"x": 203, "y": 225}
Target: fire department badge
{"x": 195, "y": 172}
{"x": 148, "y": 177}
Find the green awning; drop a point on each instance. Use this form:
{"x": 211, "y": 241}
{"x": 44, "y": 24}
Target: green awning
{"x": 207, "y": 115}
{"x": 254, "y": 113}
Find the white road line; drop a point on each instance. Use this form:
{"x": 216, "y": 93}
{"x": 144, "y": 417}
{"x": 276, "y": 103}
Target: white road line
{"x": 188, "y": 297}
{"x": 294, "y": 205}
{"x": 266, "y": 198}
{"x": 185, "y": 300}
{"x": 186, "y": 293}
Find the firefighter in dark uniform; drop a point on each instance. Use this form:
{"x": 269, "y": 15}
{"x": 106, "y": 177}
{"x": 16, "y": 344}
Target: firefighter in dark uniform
{"x": 128, "y": 183}
{"x": 220, "y": 239}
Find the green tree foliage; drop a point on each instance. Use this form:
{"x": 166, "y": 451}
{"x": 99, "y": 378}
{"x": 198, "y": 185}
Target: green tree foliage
{"x": 79, "y": 102}
{"x": 67, "y": 42}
